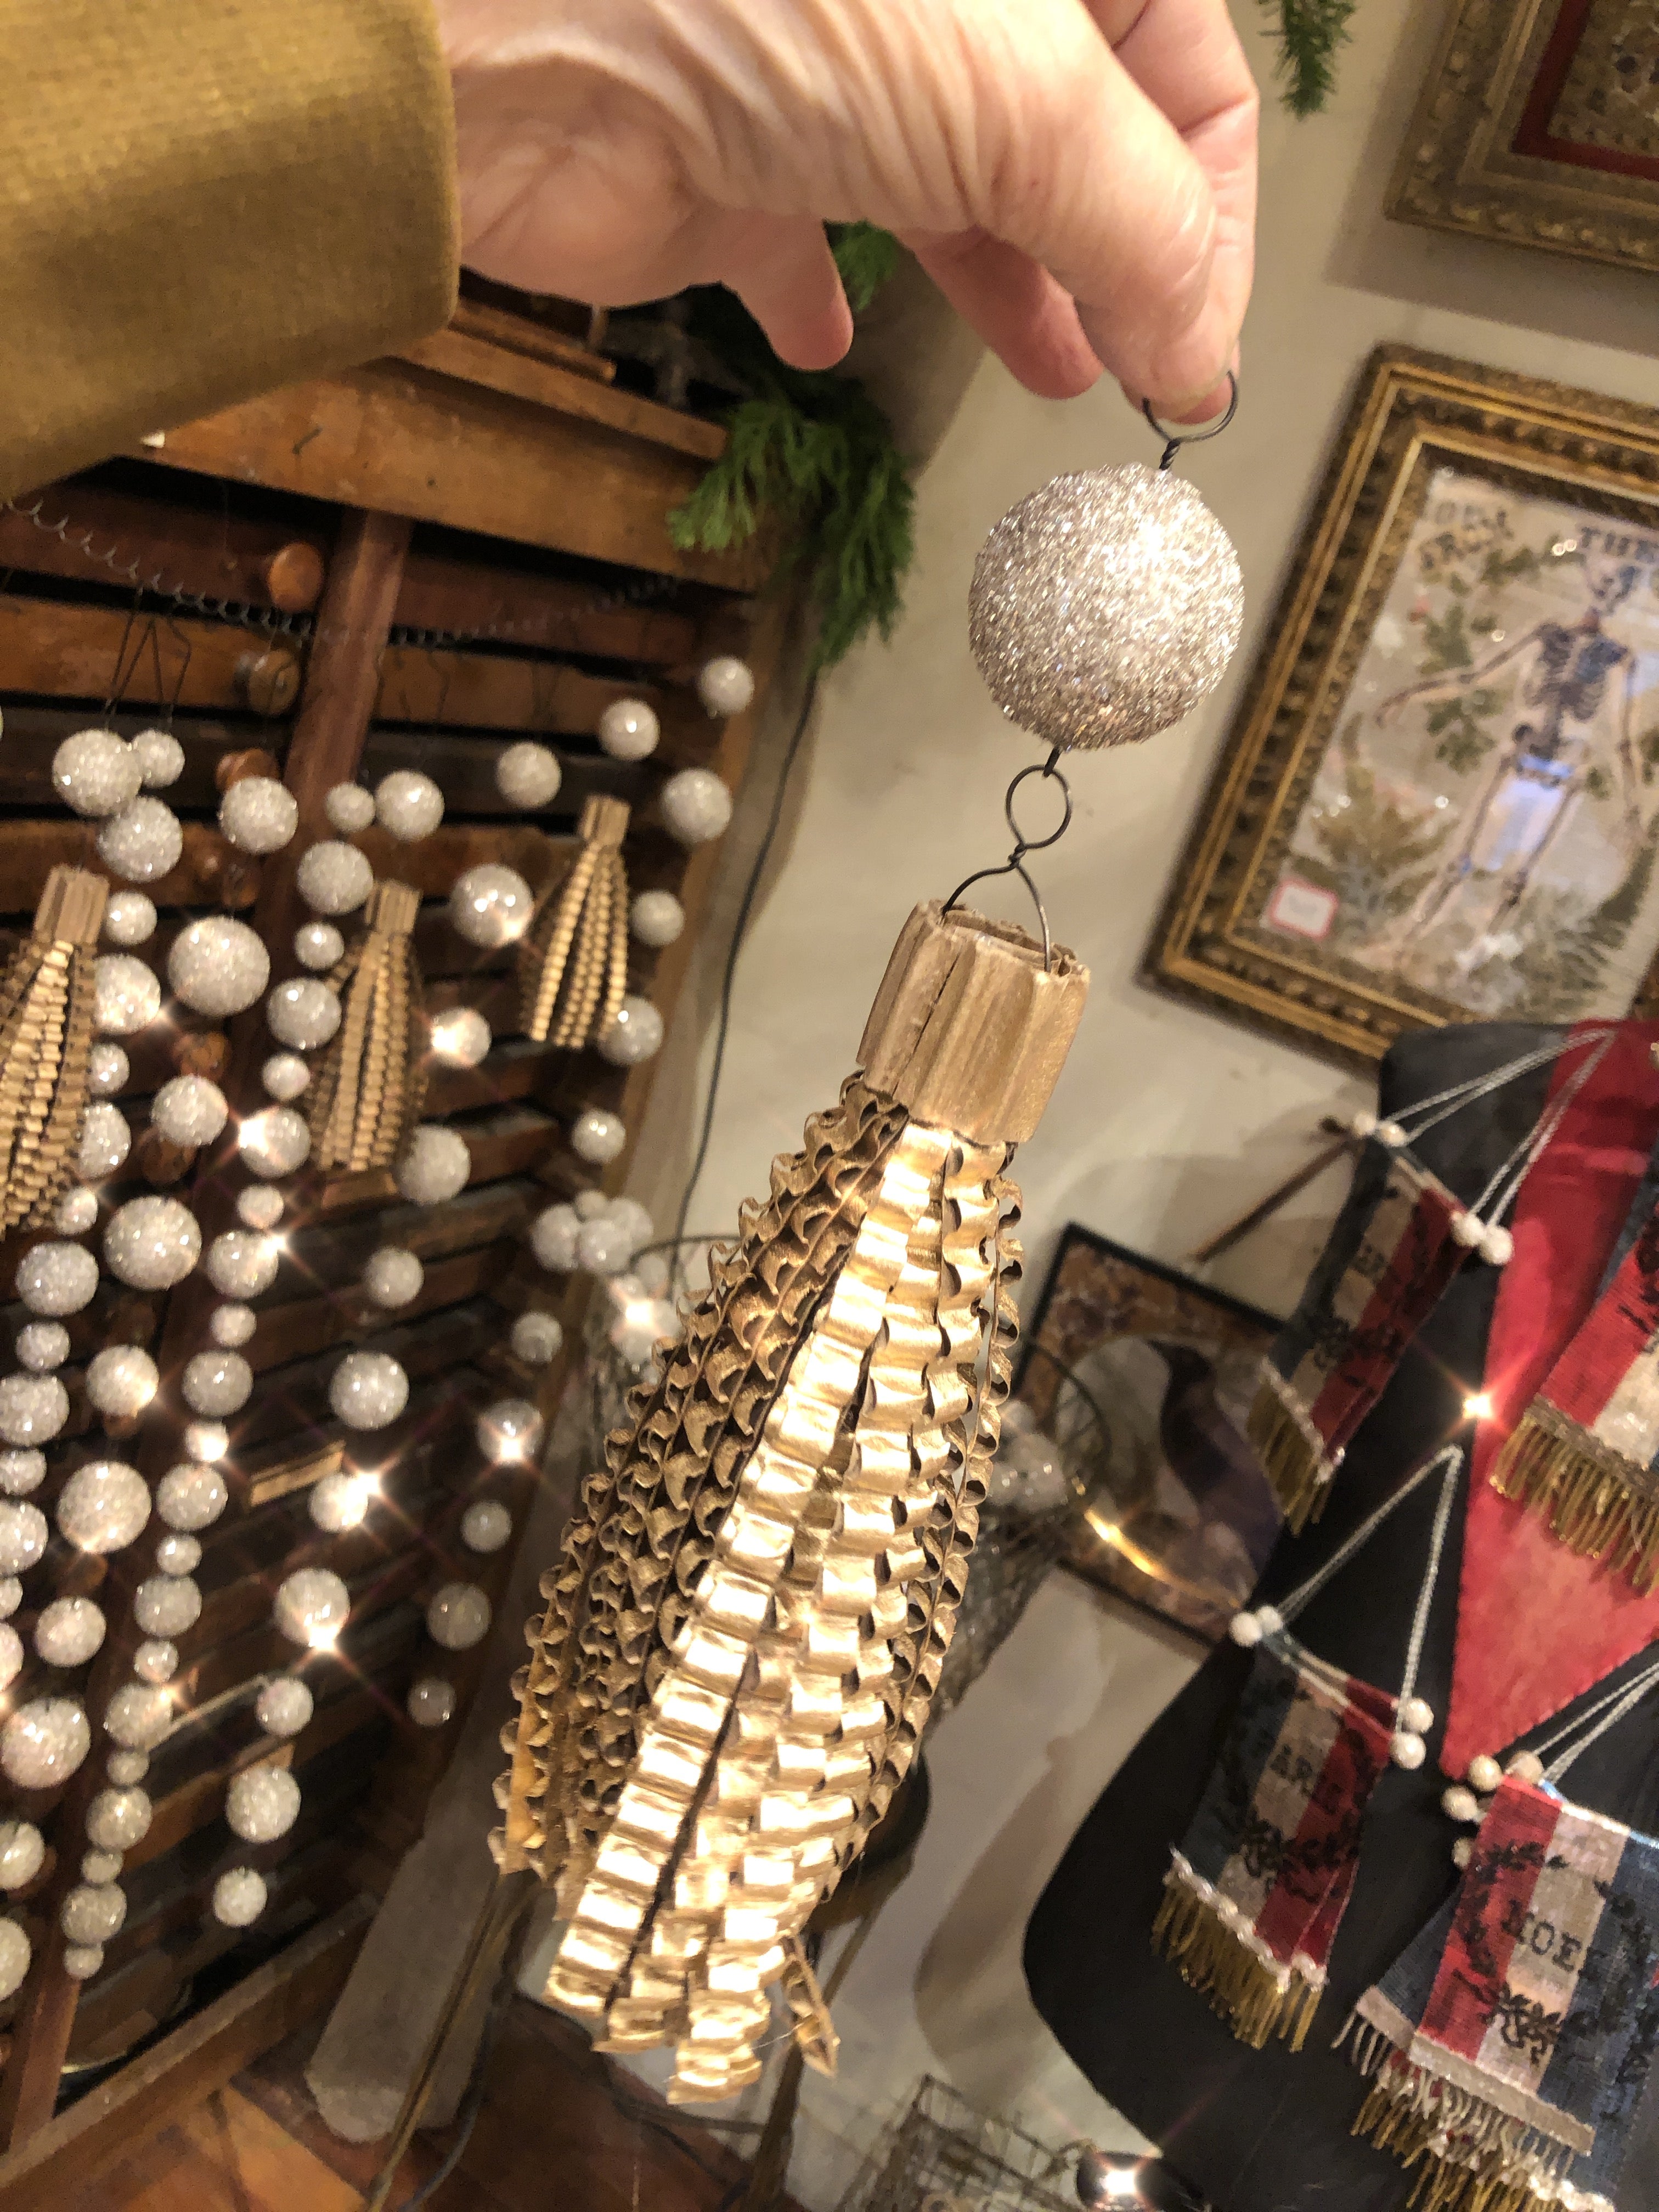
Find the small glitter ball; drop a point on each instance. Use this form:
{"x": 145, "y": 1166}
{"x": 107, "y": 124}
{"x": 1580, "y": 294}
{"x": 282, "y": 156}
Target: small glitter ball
{"x": 1105, "y": 606}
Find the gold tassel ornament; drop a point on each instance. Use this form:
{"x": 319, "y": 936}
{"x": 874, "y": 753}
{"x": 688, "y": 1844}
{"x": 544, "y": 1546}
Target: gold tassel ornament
{"x": 572, "y": 960}
{"x": 47, "y": 1004}
{"x": 366, "y": 1097}
{"x": 742, "y": 1639}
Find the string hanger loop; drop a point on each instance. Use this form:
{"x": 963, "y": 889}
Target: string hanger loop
{"x": 1175, "y": 439}
{"x": 1015, "y": 863}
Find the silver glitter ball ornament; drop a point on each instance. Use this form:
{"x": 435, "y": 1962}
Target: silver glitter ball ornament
{"x": 1105, "y": 606}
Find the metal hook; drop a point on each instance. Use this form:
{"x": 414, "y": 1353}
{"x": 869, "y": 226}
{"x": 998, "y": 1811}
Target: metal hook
{"x": 1175, "y": 440}
{"x": 1015, "y": 863}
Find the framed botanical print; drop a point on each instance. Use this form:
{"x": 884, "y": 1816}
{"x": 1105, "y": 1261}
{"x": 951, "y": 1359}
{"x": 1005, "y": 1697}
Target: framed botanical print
{"x": 1440, "y": 800}
{"x": 1539, "y": 123}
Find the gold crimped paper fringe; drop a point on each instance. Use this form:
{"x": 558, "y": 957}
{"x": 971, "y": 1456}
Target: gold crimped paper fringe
{"x": 47, "y": 1001}
{"x": 572, "y": 961}
{"x": 1600, "y": 1504}
{"x": 363, "y": 1108}
{"x": 1257, "y": 1996}
{"x": 1293, "y": 1455}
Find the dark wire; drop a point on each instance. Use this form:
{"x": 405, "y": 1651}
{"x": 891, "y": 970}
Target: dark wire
{"x": 739, "y": 930}
{"x": 473, "y": 2103}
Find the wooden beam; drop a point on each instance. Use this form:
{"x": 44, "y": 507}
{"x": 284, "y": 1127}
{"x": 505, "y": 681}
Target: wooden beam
{"x": 402, "y": 440}
{"x": 71, "y": 650}
{"x": 185, "y": 2067}
{"x": 114, "y": 539}
{"x": 473, "y": 360}
{"x": 511, "y": 606}
{"x": 498, "y": 326}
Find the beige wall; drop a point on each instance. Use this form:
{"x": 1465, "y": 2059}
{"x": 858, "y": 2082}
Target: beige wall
{"x": 1167, "y": 1120}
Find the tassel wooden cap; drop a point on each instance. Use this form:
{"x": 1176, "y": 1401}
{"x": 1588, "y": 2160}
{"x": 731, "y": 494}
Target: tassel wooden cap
{"x": 604, "y": 822}
{"x": 71, "y": 908}
{"x": 969, "y": 1030}
{"x": 393, "y": 908}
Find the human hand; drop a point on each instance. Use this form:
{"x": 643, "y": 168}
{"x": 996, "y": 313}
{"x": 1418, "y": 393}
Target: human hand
{"x": 1078, "y": 180}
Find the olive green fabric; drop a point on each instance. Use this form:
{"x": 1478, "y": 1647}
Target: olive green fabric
{"x": 202, "y": 199}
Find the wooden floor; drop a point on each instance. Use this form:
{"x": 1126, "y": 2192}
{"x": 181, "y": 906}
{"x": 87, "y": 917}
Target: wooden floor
{"x": 560, "y": 2131}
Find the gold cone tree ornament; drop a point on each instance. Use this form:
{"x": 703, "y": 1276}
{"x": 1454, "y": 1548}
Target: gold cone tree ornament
{"x": 572, "y": 961}
{"x": 47, "y": 1003}
{"x": 743, "y": 1633}
{"x": 367, "y": 1096}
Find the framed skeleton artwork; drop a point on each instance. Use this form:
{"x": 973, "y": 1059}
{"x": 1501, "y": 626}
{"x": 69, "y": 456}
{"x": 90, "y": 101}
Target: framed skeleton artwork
{"x": 1539, "y": 124}
{"x": 1440, "y": 800}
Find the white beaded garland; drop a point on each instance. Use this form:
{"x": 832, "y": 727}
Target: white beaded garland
{"x": 22, "y": 1471}
{"x": 43, "y": 1744}
{"x": 459, "y": 1616}
{"x": 284, "y": 1707}
{"x": 11, "y": 1595}
{"x": 32, "y": 1408}
{"x": 42, "y": 1345}
{"x": 553, "y": 1237}
{"x": 108, "y": 1070}
{"x": 217, "y": 1383}
{"x": 23, "y": 1536}
{"x": 274, "y": 1142}
{"x": 96, "y": 772}
{"x": 1105, "y": 606}
{"x": 123, "y": 1768}
{"x": 93, "y": 1912}
{"x": 156, "y": 1660}
{"x": 22, "y": 1853}
{"x": 11, "y": 1655}
{"x": 349, "y": 808}
{"x": 656, "y": 918}
{"x": 16, "y": 1954}
{"x": 231, "y": 1325}
{"x": 126, "y": 996}
{"x": 190, "y": 1495}
{"x": 130, "y": 918}
{"x": 167, "y": 1605}
{"x": 139, "y": 1715}
{"x": 696, "y": 806}
{"x": 431, "y": 1701}
{"x": 1416, "y": 1714}
{"x": 239, "y": 1897}
{"x": 258, "y": 815}
{"x": 100, "y": 1866}
{"x": 104, "y": 1505}
{"x": 118, "y": 1818}
{"x": 528, "y": 774}
{"x": 122, "y": 1380}
{"x": 334, "y": 878}
{"x": 490, "y": 905}
{"x": 633, "y": 1036}
{"x": 206, "y": 1440}
{"x": 1485, "y": 1774}
{"x": 408, "y": 806}
{"x": 485, "y": 1525}
{"x": 190, "y": 1110}
{"x": 152, "y": 1244}
{"x": 318, "y": 945}
{"x": 262, "y": 1803}
{"x": 303, "y": 1012}
{"x": 726, "y": 684}
{"x": 80, "y": 1961}
{"x": 536, "y": 1339}
{"x": 218, "y": 966}
{"x": 178, "y": 1555}
{"x": 241, "y": 1263}
{"x": 55, "y": 1278}
{"x": 604, "y": 1247}
{"x": 393, "y": 1277}
{"x": 284, "y": 1076}
{"x": 597, "y": 1136}
{"x": 160, "y": 758}
{"x": 511, "y": 1428}
{"x": 1408, "y": 1751}
{"x": 590, "y": 1205}
{"x": 461, "y": 1037}
{"x": 312, "y": 1607}
{"x": 105, "y": 1140}
{"x": 259, "y": 1206}
{"x": 629, "y": 730}
{"x": 142, "y": 843}
{"x": 340, "y": 1501}
{"x": 369, "y": 1390}
{"x": 436, "y": 1167}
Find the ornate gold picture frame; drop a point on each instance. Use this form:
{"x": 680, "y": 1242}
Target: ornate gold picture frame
{"x": 1539, "y": 123}
{"x": 1440, "y": 800}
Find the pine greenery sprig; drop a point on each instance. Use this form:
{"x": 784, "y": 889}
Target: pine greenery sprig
{"x": 812, "y": 450}
{"x": 1309, "y": 32}
{"x": 866, "y": 257}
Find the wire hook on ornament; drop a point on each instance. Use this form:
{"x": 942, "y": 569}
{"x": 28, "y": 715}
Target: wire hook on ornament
{"x": 1015, "y": 863}
{"x": 1174, "y": 440}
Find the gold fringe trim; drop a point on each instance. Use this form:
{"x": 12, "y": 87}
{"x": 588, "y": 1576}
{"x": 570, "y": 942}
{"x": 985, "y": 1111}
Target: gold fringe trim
{"x": 1589, "y": 1495}
{"x": 1244, "y": 1989}
{"x": 1297, "y": 1471}
{"x": 573, "y": 961}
